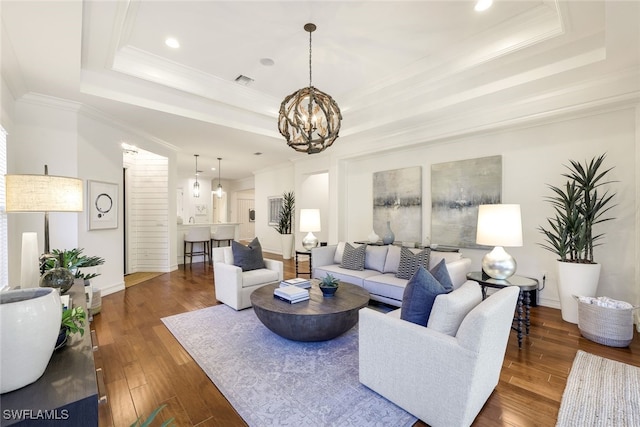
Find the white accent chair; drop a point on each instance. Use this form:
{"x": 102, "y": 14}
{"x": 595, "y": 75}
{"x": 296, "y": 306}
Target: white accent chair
{"x": 443, "y": 380}
{"x": 234, "y": 286}
{"x": 223, "y": 233}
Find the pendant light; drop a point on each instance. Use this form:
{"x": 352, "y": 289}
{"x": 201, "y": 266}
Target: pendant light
{"x": 219, "y": 190}
{"x": 196, "y": 185}
{"x": 309, "y": 119}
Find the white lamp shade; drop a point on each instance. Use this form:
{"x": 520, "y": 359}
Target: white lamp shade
{"x": 43, "y": 193}
{"x": 310, "y": 220}
{"x": 499, "y": 225}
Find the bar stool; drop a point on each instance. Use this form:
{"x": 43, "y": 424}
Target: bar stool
{"x": 223, "y": 233}
{"x": 197, "y": 235}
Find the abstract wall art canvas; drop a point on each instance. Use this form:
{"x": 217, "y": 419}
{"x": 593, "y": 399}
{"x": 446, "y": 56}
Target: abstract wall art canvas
{"x": 397, "y": 198}
{"x": 102, "y": 206}
{"x": 457, "y": 189}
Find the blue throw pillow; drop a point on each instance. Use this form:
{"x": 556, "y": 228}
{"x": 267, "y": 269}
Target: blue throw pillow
{"x": 419, "y": 295}
{"x": 441, "y": 274}
{"x": 247, "y": 257}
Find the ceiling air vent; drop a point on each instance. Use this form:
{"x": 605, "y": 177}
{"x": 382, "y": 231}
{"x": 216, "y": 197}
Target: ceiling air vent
{"x": 244, "y": 80}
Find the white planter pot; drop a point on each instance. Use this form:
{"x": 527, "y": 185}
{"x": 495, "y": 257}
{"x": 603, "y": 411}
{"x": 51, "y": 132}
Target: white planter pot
{"x": 287, "y": 245}
{"x": 30, "y": 322}
{"x": 579, "y": 280}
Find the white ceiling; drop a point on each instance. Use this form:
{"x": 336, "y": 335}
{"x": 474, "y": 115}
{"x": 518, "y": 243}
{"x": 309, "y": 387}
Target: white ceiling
{"x": 390, "y": 65}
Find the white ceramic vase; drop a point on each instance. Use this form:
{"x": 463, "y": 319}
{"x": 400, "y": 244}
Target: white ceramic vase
{"x": 287, "y": 245}
{"x": 30, "y": 322}
{"x": 579, "y": 280}
{"x": 373, "y": 237}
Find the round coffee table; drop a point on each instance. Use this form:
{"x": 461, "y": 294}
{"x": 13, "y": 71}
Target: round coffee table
{"x": 318, "y": 319}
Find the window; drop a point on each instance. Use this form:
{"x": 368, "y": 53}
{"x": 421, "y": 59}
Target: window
{"x": 275, "y": 206}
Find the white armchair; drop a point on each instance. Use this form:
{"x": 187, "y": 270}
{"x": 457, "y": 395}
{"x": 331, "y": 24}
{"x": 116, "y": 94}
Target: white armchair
{"x": 234, "y": 286}
{"x": 441, "y": 379}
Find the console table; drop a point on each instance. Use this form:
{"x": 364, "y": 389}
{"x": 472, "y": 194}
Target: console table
{"x": 67, "y": 393}
{"x": 526, "y": 285}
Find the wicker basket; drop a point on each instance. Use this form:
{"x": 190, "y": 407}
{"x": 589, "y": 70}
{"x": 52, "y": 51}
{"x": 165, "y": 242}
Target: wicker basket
{"x": 604, "y": 325}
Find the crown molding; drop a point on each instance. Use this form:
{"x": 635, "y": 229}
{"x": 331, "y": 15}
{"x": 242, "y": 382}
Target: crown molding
{"x": 49, "y": 101}
{"x": 144, "y": 65}
{"x": 532, "y": 111}
{"x": 95, "y": 114}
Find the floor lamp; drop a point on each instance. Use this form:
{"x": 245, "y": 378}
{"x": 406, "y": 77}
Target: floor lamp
{"x": 43, "y": 193}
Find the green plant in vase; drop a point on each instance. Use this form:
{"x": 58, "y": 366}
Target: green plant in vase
{"x": 73, "y": 320}
{"x": 74, "y": 260}
{"x": 329, "y": 285}
{"x": 579, "y": 205}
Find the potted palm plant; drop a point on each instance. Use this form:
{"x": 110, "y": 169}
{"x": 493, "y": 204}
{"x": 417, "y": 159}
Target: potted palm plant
{"x": 285, "y": 223}
{"x": 578, "y": 206}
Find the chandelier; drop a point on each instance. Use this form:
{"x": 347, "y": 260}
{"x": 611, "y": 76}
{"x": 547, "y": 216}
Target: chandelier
{"x": 309, "y": 119}
{"x": 219, "y": 189}
{"x": 196, "y": 185}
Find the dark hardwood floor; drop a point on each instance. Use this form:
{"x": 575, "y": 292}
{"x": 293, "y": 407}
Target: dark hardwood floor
{"x": 144, "y": 366}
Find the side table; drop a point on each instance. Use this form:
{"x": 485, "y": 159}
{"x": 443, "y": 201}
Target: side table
{"x": 526, "y": 284}
{"x": 303, "y": 253}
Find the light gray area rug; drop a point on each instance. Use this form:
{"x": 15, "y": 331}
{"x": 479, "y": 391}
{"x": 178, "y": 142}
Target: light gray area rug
{"x": 272, "y": 381}
{"x": 600, "y": 392}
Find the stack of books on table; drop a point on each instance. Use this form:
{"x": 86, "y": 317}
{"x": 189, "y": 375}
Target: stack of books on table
{"x": 291, "y": 294}
{"x": 301, "y": 283}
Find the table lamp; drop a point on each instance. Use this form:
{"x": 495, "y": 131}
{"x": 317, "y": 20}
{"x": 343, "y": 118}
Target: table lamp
{"x": 309, "y": 222}
{"x": 43, "y": 193}
{"x": 499, "y": 225}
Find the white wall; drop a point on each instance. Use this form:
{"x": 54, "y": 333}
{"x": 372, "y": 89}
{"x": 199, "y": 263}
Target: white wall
{"x": 313, "y": 193}
{"x": 189, "y": 202}
{"x": 78, "y": 143}
{"x": 532, "y": 157}
{"x": 272, "y": 182}
{"x": 42, "y": 135}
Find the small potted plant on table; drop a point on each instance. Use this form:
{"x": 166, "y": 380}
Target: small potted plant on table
{"x": 328, "y": 285}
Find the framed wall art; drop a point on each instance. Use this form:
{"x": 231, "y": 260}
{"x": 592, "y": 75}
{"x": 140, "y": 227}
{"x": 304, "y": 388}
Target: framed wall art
{"x": 397, "y": 199}
{"x": 102, "y": 205}
{"x": 457, "y": 189}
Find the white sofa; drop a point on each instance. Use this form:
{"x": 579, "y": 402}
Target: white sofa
{"x": 445, "y": 374}
{"x": 380, "y": 268}
{"x": 234, "y": 286}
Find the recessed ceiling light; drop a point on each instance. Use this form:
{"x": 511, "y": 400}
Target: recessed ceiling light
{"x": 482, "y": 5}
{"x": 267, "y": 62}
{"x": 257, "y": 154}
{"x": 172, "y": 43}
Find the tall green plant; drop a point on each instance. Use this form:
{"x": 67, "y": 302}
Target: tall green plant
{"x": 578, "y": 207}
{"x": 285, "y": 221}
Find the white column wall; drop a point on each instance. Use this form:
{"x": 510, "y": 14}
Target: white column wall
{"x": 272, "y": 182}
